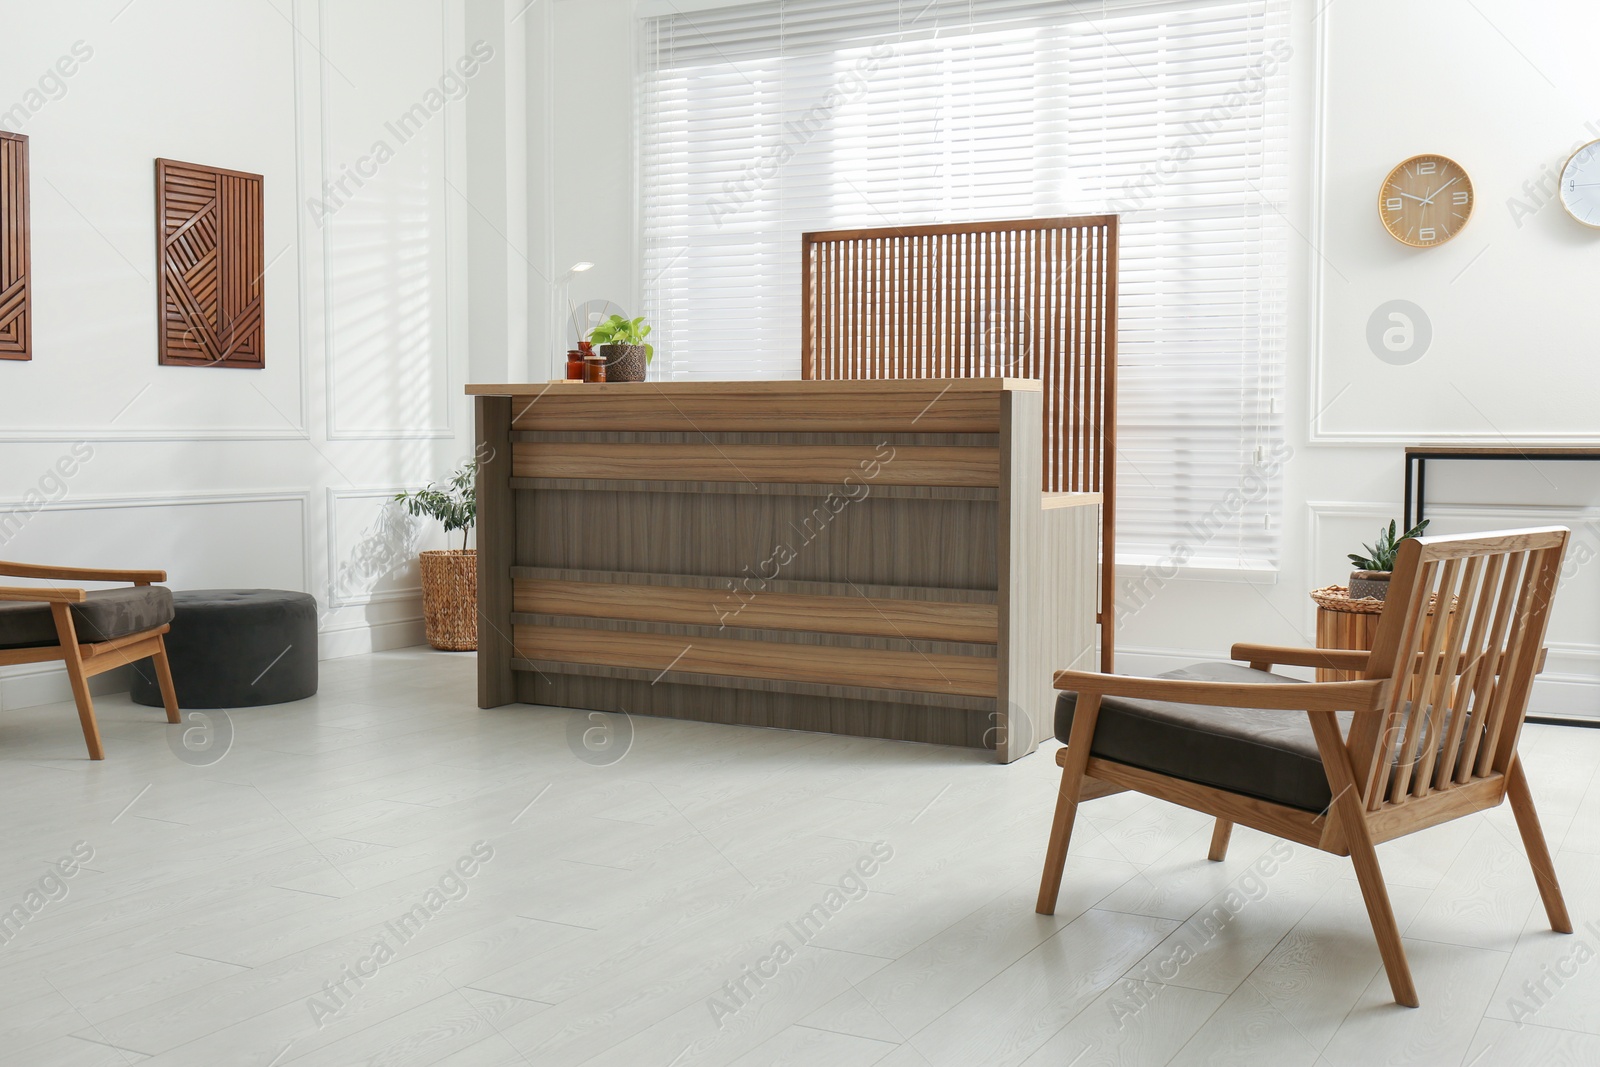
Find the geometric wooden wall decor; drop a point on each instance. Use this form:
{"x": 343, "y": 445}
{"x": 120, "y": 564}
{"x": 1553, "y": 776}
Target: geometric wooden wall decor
{"x": 208, "y": 252}
{"x": 16, "y": 308}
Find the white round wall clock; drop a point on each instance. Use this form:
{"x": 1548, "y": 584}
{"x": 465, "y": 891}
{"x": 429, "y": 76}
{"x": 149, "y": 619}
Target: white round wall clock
{"x": 1580, "y": 185}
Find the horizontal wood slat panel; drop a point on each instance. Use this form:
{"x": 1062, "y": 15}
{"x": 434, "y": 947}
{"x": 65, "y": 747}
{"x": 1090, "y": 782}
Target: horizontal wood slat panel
{"x": 924, "y": 406}
{"x": 988, "y": 494}
{"x": 858, "y": 615}
{"x": 959, "y": 597}
{"x": 924, "y": 717}
{"x": 908, "y": 706}
{"x": 817, "y": 664}
{"x": 752, "y": 437}
{"x": 690, "y": 632}
{"x": 830, "y": 464}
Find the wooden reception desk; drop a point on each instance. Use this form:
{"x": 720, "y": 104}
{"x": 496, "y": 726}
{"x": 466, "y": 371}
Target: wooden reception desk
{"x": 871, "y": 558}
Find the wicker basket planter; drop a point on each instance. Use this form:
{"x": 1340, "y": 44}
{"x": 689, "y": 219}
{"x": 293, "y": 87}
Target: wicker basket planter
{"x": 450, "y": 599}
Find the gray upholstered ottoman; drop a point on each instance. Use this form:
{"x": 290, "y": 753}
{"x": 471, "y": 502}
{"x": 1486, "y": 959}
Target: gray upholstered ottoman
{"x": 238, "y": 648}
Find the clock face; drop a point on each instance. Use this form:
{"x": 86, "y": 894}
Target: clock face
{"x": 1580, "y": 185}
{"x": 1425, "y": 201}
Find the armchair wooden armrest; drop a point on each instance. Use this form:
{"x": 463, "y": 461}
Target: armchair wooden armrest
{"x": 1332, "y": 659}
{"x": 79, "y": 574}
{"x": 39, "y": 595}
{"x": 1291, "y": 696}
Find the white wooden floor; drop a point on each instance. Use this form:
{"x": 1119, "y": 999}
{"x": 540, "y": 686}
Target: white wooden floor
{"x": 223, "y": 902}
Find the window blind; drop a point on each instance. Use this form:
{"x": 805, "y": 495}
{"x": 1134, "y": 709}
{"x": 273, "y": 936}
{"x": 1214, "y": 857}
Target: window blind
{"x": 760, "y": 121}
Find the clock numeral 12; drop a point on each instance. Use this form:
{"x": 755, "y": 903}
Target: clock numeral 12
{"x": 1427, "y": 168}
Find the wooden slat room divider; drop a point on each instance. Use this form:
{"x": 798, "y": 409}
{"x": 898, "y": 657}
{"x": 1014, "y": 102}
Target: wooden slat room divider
{"x": 1031, "y": 298}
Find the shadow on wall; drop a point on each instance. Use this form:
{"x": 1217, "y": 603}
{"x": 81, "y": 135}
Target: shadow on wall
{"x": 383, "y": 561}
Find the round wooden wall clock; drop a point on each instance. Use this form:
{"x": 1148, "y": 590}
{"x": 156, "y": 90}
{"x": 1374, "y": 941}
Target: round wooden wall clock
{"x": 1425, "y": 201}
{"x": 1580, "y": 185}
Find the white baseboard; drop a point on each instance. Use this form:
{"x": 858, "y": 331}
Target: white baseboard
{"x": 337, "y": 643}
{"x": 29, "y": 687}
{"x": 1566, "y": 696}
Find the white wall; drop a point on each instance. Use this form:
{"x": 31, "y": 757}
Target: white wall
{"x": 1506, "y": 89}
{"x": 583, "y": 202}
{"x": 277, "y": 477}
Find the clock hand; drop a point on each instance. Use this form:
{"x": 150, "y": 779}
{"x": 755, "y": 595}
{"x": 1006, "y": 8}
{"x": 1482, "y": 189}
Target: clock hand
{"x": 1414, "y": 197}
{"x": 1441, "y": 189}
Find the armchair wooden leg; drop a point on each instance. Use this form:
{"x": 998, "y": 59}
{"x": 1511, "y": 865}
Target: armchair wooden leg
{"x": 169, "y": 693}
{"x": 1072, "y": 771}
{"x": 1055, "y": 857}
{"x": 1376, "y": 895}
{"x": 1219, "y": 840}
{"x": 1346, "y": 807}
{"x": 68, "y": 635}
{"x": 1544, "y": 871}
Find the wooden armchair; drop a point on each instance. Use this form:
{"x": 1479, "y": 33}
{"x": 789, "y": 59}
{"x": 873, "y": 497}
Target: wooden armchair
{"x": 1429, "y": 733}
{"x": 90, "y": 631}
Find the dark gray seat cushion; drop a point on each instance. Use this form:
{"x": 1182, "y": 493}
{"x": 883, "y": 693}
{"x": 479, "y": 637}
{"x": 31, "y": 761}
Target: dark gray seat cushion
{"x": 238, "y": 648}
{"x": 1270, "y": 755}
{"x": 105, "y": 616}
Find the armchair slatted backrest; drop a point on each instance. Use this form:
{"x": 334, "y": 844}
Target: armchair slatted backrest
{"x": 1463, "y": 671}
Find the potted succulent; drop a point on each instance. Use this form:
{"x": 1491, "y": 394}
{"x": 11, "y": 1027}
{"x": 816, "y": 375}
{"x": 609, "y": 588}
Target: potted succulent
{"x": 1370, "y": 579}
{"x": 621, "y": 342}
{"x": 450, "y": 576}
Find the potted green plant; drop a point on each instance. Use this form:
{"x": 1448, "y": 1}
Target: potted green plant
{"x": 450, "y": 576}
{"x": 1370, "y": 579}
{"x": 621, "y": 342}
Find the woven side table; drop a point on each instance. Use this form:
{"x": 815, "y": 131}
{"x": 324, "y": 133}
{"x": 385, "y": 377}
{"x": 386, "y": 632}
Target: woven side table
{"x": 1344, "y": 623}
{"x": 1353, "y": 624}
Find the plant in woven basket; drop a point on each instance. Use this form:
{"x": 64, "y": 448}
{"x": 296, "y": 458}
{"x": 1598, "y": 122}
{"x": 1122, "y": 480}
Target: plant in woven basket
{"x": 1370, "y": 579}
{"x": 455, "y": 504}
{"x": 622, "y": 342}
{"x": 449, "y": 578}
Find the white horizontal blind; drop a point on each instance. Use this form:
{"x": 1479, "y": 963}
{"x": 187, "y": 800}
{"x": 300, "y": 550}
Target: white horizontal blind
{"x": 761, "y": 121}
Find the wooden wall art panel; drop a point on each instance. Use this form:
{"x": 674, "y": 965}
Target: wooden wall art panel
{"x": 16, "y": 308}
{"x": 209, "y": 254}
{"x": 1030, "y": 298}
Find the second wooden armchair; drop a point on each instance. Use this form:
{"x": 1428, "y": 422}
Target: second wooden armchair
{"x": 1429, "y": 734}
{"x": 91, "y": 632}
